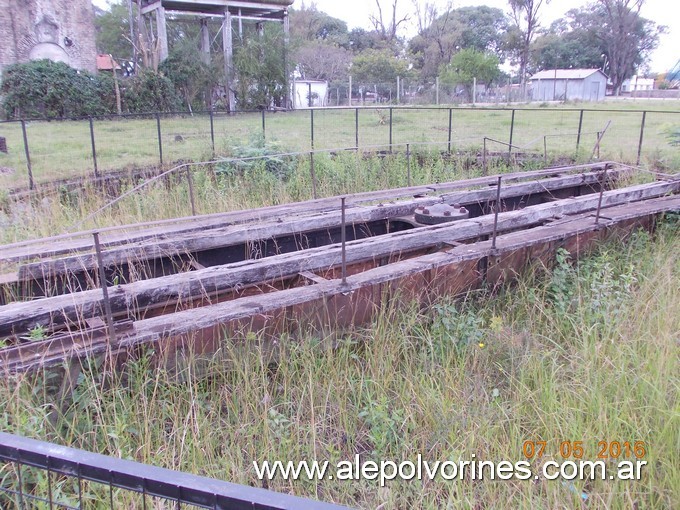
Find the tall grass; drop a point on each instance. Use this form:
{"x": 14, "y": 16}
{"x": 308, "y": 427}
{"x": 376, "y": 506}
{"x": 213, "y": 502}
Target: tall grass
{"x": 583, "y": 352}
{"x": 223, "y": 187}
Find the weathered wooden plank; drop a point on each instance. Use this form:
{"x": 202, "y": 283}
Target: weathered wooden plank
{"x": 237, "y": 234}
{"x": 147, "y": 330}
{"x": 179, "y": 327}
{"x": 20, "y": 317}
{"x": 114, "y": 236}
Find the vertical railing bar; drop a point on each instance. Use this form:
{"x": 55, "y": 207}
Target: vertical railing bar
{"x": 94, "y": 149}
{"x": 495, "y": 218}
{"x": 484, "y": 167}
{"x": 49, "y": 482}
{"x": 190, "y": 180}
{"x": 80, "y": 489}
{"x": 312, "y": 173}
{"x": 356, "y": 128}
{"x": 599, "y": 202}
{"x": 642, "y": 135}
{"x": 512, "y": 132}
{"x": 21, "y": 485}
{"x": 160, "y": 140}
{"x": 31, "y": 184}
{"x": 343, "y": 240}
{"x": 391, "y": 113}
{"x": 450, "y": 127}
{"x": 111, "y": 490}
{"x": 105, "y": 289}
{"x": 212, "y": 132}
{"x": 580, "y": 125}
{"x": 408, "y": 164}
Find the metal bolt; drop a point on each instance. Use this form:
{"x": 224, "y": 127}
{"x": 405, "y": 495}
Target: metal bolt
{"x": 447, "y": 213}
{"x": 463, "y": 210}
{"x": 426, "y": 211}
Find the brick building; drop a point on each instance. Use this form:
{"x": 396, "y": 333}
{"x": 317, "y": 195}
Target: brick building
{"x": 59, "y": 30}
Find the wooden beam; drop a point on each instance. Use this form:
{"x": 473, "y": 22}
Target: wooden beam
{"x": 23, "y": 316}
{"x": 181, "y": 327}
{"x": 234, "y": 235}
{"x": 162, "y": 34}
{"x": 228, "y": 48}
{"x": 125, "y": 234}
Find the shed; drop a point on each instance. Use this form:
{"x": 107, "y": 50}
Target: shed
{"x": 568, "y": 84}
{"x": 307, "y": 93}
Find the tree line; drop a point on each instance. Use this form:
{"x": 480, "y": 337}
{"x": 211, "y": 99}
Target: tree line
{"x": 454, "y": 45}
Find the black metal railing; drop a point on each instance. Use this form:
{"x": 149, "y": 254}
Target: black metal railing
{"x": 37, "y": 474}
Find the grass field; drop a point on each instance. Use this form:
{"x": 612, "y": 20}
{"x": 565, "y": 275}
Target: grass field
{"x": 577, "y": 353}
{"x": 63, "y": 149}
{"x": 585, "y": 352}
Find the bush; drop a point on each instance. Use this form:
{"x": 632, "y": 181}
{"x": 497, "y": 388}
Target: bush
{"x": 149, "y": 92}
{"x": 43, "y": 88}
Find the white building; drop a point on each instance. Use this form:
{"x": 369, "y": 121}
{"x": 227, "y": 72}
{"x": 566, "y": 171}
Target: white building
{"x": 309, "y": 93}
{"x": 636, "y": 83}
{"x": 568, "y": 84}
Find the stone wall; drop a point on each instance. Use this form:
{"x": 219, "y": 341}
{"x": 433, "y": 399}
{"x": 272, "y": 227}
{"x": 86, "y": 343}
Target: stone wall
{"x": 60, "y": 30}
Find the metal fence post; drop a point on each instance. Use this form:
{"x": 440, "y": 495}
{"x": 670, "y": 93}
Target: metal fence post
{"x": 31, "y": 184}
{"x": 312, "y": 173}
{"x": 603, "y": 181}
{"x": 484, "y": 157}
{"x": 495, "y": 218}
{"x": 212, "y": 132}
{"x": 105, "y": 288}
{"x": 545, "y": 149}
{"x": 343, "y": 240}
{"x": 580, "y": 126}
{"x": 94, "y": 149}
{"x": 450, "y": 127}
{"x": 408, "y": 164}
{"x": 190, "y": 180}
{"x": 512, "y": 132}
{"x": 356, "y": 128}
{"x": 642, "y": 135}
{"x": 160, "y": 141}
{"x": 264, "y": 125}
{"x": 311, "y": 127}
{"x": 391, "y": 129}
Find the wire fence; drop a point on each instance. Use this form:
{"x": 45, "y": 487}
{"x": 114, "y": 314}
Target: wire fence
{"x": 37, "y": 474}
{"x": 41, "y": 151}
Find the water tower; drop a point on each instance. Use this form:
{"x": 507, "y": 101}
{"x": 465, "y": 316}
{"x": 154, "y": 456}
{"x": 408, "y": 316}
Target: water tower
{"x": 228, "y": 11}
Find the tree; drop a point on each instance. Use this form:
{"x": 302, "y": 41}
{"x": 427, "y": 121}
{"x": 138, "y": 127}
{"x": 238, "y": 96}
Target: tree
{"x": 113, "y": 30}
{"x": 310, "y": 24}
{"x": 470, "y": 64}
{"x": 261, "y": 77}
{"x": 481, "y": 28}
{"x": 387, "y": 24}
{"x": 321, "y": 60}
{"x": 627, "y": 37}
{"x": 525, "y": 16}
{"x": 188, "y": 73}
{"x": 378, "y": 67}
{"x": 566, "y": 45}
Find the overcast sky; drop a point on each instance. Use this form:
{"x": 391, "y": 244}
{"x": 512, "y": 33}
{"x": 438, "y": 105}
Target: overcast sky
{"x": 666, "y": 12}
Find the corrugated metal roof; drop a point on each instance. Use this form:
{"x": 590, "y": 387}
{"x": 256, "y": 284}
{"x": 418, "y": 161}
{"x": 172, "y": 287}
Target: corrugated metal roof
{"x": 565, "y": 74}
